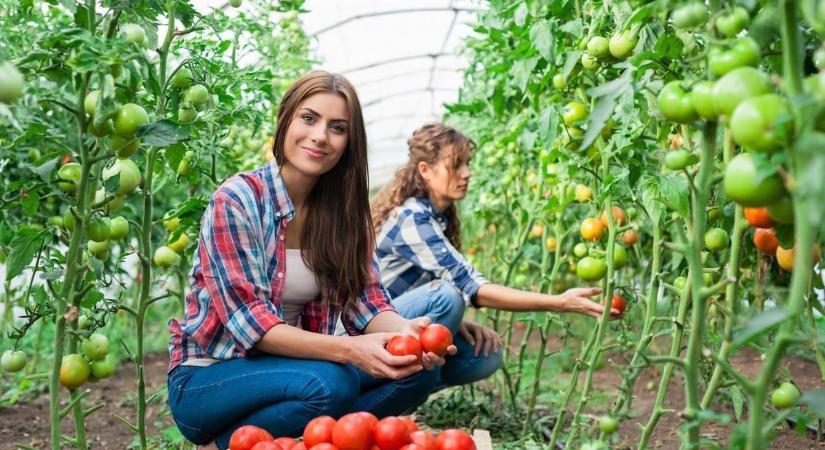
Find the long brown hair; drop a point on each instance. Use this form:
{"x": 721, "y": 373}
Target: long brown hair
{"x": 427, "y": 144}
{"x": 336, "y": 240}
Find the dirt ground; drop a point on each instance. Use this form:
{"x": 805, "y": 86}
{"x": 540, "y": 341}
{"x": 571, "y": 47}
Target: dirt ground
{"x": 27, "y": 422}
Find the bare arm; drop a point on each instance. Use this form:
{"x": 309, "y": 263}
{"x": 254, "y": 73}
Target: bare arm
{"x": 576, "y": 300}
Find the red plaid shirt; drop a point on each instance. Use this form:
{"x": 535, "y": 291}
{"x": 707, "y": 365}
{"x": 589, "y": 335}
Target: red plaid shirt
{"x": 239, "y": 271}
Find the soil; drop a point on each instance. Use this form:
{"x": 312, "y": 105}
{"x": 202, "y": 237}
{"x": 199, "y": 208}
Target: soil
{"x": 27, "y": 421}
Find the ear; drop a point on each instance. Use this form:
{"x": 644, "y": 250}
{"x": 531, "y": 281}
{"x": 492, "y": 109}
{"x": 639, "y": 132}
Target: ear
{"x": 423, "y": 169}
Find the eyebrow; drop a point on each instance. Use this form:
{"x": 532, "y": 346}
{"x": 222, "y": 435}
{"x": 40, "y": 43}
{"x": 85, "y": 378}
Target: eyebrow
{"x": 313, "y": 112}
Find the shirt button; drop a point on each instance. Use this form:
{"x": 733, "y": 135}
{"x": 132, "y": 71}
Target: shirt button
{"x": 443, "y": 250}
{"x": 280, "y": 274}
{"x": 281, "y": 237}
{"x": 278, "y": 215}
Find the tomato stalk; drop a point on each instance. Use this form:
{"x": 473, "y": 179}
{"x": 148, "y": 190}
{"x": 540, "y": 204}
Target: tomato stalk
{"x": 731, "y": 290}
{"x": 607, "y": 286}
{"x": 704, "y": 184}
{"x": 804, "y": 232}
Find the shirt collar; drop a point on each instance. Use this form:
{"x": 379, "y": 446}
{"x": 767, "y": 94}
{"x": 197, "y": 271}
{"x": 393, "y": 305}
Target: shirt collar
{"x": 428, "y": 204}
{"x": 278, "y": 192}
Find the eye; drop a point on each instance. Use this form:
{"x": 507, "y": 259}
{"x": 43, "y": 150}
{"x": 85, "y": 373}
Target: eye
{"x": 338, "y": 128}
{"x": 308, "y": 117}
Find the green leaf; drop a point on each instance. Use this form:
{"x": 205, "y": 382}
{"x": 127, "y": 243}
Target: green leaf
{"x": 761, "y": 323}
{"x": 23, "y": 247}
{"x": 815, "y": 401}
{"x": 542, "y": 37}
{"x": 520, "y": 16}
{"x": 163, "y": 133}
{"x": 674, "y": 189}
{"x": 45, "y": 170}
{"x": 31, "y": 202}
{"x": 738, "y": 401}
{"x": 91, "y": 298}
{"x": 595, "y": 122}
{"x": 522, "y": 71}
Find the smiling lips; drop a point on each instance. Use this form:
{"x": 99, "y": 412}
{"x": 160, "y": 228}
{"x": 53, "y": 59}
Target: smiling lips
{"x": 314, "y": 153}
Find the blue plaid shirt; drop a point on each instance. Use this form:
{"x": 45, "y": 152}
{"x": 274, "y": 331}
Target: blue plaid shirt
{"x": 413, "y": 250}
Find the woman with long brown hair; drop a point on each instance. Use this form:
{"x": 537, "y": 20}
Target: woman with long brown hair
{"x": 419, "y": 240}
{"x": 283, "y": 251}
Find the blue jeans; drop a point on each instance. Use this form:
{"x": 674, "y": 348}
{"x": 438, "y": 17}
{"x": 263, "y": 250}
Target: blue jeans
{"x": 281, "y": 395}
{"x": 443, "y": 303}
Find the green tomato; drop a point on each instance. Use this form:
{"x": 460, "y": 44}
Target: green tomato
{"x": 99, "y": 250}
{"x": 701, "y": 98}
{"x": 133, "y": 33}
{"x": 591, "y": 269}
{"x": 559, "y": 82}
{"x": 620, "y": 257}
{"x": 104, "y": 369}
{"x": 743, "y": 53}
{"x": 172, "y": 224}
{"x": 675, "y": 103}
{"x": 622, "y": 44}
{"x": 99, "y": 229}
{"x": 119, "y": 228}
{"x": 183, "y": 167}
{"x": 13, "y": 360}
{"x": 124, "y": 147}
{"x": 589, "y": 62}
{"x": 782, "y": 211}
{"x": 186, "y": 115}
{"x": 742, "y": 185}
{"x": 90, "y": 102}
{"x": 74, "y": 371}
{"x": 580, "y": 250}
{"x": 680, "y": 159}
{"x": 574, "y": 112}
{"x": 11, "y": 83}
{"x": 70, "y": 172}
{"x": 129, "y": 175}
{"x": 56, "y": 221}
{"x": 68, "y": 221}
{"x": 737, "y": 86}
{"x": 631, "y": 213}
{"x": 716, "y": 239}
{"x": 182, "y": 79}
{"x": 165, "y": 257}
{"x": 594, "y": 445}
{"x": 100, "y": 131}
{"x": 598, "y": 46}
{"x": 129, "y": 118}
{"x": 608, "y": 424}
{"x": 691, "y": 15}
{"x": 84, "y": 323}
{"x": 197, "y": 94}
{"x": 96, "y": 347}
{"x": 785, "y": 396}
{"x": 732, "y": 23}
{"x": 819, "y": 58}
{"x": 235, "y": 3}
{"x": 762, "y": 123}
{"x": 680, "y": 283}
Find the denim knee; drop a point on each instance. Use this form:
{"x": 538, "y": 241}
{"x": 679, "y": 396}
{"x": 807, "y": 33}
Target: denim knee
{"x": 333, "y": 392}
{"x": 447, "y": 304}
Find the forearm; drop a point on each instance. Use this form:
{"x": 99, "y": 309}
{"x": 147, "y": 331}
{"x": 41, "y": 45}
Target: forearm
{"x": 286, "y": 340}
{"x": 386, "y": 322}
{"x": 508, "y": 299}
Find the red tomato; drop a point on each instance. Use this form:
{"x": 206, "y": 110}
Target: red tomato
{"x": 266, "y": 445}
{"x": 436, "y": 338}
{"x": 412, "y": 447}
{"x": 369, "y": 417}
{"x": 411, "y": 425}
{"x": 404, "y": 345}
{"x": 324, "y": 446}
{"x": 759, "y": 218}
{"x": 353, "y": 432}
{"x": 424, "y": 439}
{"x": 764, "y": 239}
{"x": 286, "y": 443}
{"x": 619, "y": 303}
{"x": 318, "y": 431}
{"x": 391, "y": 433}
{"x": 246, "y": 436}
{"x": 299, "y": 446}
{"x": 455, "y": 440}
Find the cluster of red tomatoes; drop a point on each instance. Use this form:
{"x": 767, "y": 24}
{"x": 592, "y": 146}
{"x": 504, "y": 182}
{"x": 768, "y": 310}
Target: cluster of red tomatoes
{"x": 434, "y": 338}
{"x": 355, "y": 431}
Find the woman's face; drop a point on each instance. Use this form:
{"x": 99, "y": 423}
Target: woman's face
{"x": 445, "y": 182}
{"x": 318, "y": 134}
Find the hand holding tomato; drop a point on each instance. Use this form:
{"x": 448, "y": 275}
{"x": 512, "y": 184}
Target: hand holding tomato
{"x": 430, "y": 359}
{"x": 369, "y": 354}
{"x": 577, "y": 300}
{"x": 479, "y": 336}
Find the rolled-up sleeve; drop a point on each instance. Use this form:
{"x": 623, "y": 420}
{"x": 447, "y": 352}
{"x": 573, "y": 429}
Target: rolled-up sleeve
{"x": 234, "y": 274}
{"x": 372, "y": 300}
{"x": 423, "y": 242}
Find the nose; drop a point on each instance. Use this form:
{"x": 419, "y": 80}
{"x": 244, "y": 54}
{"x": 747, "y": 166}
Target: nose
{"x": 464, "y": 172}
{"x": 318, "y": 134}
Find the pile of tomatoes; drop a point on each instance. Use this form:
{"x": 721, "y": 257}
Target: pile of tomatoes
{"x": 355, "y": 431}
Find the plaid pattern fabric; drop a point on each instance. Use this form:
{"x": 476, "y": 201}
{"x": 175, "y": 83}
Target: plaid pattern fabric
{"x": 239, "y": 271}
{"x": 413, "y": 250}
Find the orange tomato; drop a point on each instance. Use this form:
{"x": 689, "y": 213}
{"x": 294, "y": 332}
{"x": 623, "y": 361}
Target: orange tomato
{"x": 785, "y": 257}
{"x": 764, "y": 239}
{"x": 630, "y": 237}
{"x": 537, "y": 231}
{"x": 759, "y": 218}
{"x": 591, "y": 229}
{"x": 619, "y": 217}
{"x": 676, "y": 141}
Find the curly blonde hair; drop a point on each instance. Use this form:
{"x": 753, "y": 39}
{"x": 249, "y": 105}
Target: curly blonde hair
{"x": 428, "y": 144}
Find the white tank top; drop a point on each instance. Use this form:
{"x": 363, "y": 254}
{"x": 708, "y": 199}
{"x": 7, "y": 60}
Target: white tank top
{"x": 300, "y": 287}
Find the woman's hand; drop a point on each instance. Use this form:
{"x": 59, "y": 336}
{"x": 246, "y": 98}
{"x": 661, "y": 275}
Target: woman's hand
{"x": 480, "y": 336}
{"x": 369, "y": 354}
{"x": 429, "y": 359}
{"x": 576, "y": 300}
